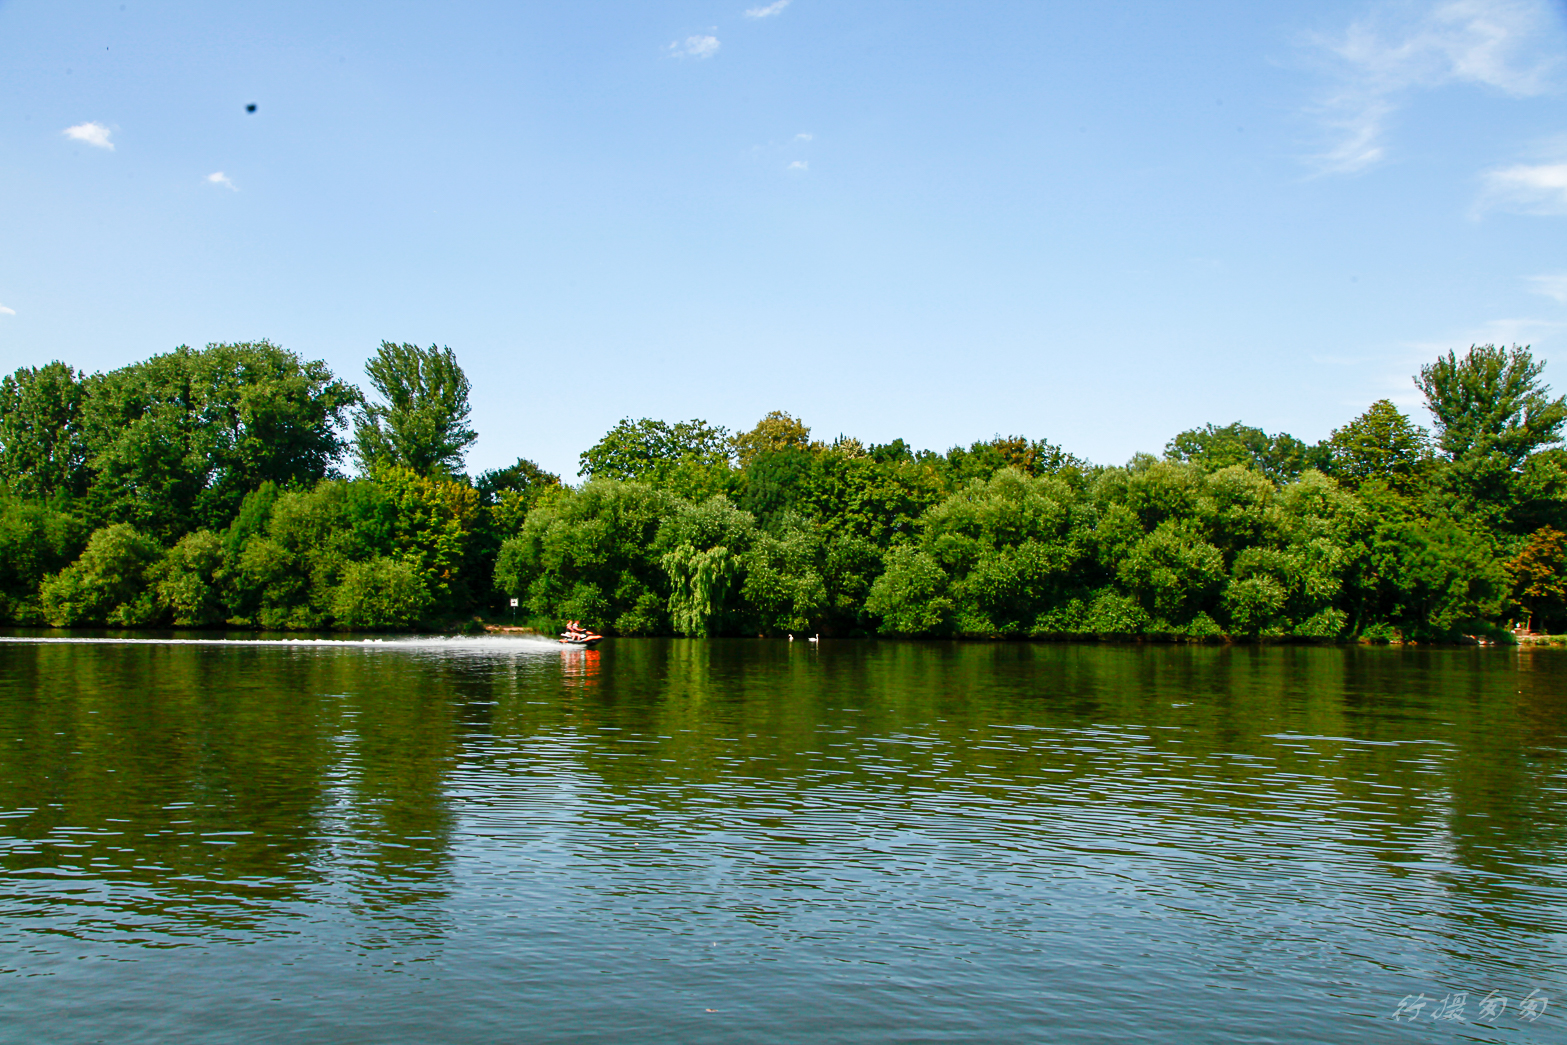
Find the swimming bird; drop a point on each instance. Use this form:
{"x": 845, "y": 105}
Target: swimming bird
{"x": 814, "y": 638}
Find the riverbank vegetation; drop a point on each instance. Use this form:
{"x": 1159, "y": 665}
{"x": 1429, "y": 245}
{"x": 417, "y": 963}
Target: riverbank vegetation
{"x": 210, "y": 488}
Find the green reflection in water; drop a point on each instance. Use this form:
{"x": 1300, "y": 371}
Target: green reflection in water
{"x": 1361, "y": 809}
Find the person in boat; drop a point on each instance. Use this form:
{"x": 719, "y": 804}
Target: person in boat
{"x": 575, "y": 632}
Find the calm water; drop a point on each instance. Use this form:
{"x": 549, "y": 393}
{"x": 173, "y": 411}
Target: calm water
{"x": 494, "y": 841}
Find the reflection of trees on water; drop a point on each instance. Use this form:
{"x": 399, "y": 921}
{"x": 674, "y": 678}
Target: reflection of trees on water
{"x": 1217, "y": 762}
{"x": 220, "y": 792}
{"x": 217, "y": 791}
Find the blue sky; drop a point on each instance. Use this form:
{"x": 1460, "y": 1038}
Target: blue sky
{"x": 1097, "y": 223}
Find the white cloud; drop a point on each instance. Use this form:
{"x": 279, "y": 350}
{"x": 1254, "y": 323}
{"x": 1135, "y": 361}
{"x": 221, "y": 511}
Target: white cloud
{"x": 799, "y": 165}
{"x": 95, "y": 134}
{"x": 694, "y": 47}
{"x": 1526, "y": 188}
{"x": 803, "y": 136}
{"x": 774, "y": 8}
{"x": 1512, "y": 46}
{"x": 7, "y": 311}
{"x": 1552, "y": 285}
{"x": 219, "y": 178}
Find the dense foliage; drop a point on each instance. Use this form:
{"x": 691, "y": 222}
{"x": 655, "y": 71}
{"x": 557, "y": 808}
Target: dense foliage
{"x": 200, "y": 489}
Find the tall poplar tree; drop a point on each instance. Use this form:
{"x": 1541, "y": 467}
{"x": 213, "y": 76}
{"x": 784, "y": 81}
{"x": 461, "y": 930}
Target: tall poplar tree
{"x": 421, "y": 420}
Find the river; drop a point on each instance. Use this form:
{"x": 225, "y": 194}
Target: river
{"x": 497, "y": 841}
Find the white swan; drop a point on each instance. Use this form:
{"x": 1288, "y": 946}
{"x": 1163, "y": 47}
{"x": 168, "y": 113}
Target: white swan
{"x": 814, "y": 638}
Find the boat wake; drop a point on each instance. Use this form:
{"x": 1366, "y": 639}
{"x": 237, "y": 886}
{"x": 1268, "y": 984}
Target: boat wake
{"x": 410, "y": 643}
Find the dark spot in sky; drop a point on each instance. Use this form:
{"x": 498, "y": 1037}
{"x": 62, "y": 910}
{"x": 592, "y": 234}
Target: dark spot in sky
{"x": 251, "y": 107}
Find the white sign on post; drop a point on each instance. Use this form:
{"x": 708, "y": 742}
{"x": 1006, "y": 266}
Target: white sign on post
{"x": 514, "y": 604}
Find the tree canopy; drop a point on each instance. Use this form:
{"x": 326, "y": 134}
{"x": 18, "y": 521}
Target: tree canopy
{"x": 179, "y": 439}
{"x": 42, "y": 451}
{"x": 1491, "y": 401}
{"x": 420, "y": 421}
{"x": 773, "y": 433}
{"x": 200, "y": 488}
{"x": 649, "y": 449}
{"x": 1280, "y": 457}
{"x": 1379, "y": 444}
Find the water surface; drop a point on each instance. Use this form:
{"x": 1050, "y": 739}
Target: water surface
{"x": 494, "y": 840}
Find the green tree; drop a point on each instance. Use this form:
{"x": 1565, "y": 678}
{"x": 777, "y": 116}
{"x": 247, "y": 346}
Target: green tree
{"x": 850, "y": 566}
{"x": 983, "y": 459}
{"x": 286, "y": 573}
{"x": 1449, "y": 579}
{"x": 186, "y": 581}
{"x": 435, "y": 523}
{"x": 849, "y": 493}
{"x": 254, "y": 512}
{"x": 704, "y": 553}
{"x": 1491, "y": 401}
{"x": 1009, "y": 548}
{"x": 107, "y": 585}
{"x": 42, "y": 451}
{"x": 381, "y": 593}
{"x": 910, "y": 597}
{"x": 774, "y": 433}
{"x": 36, "y": 539}
{"x": 524, "y": 478}
{"x": 649, "y": 451}
{"x": 180, "y": 439}
{"x": 775, "y": 481}
{"x": 1379, "y": 444}
{"x": 1280, "y": 457}
{"x": 421, "y": 420}
{"x": 784, "y": 585}
{"x": 1174, "y": 573}
{"x": 592, "y": 555}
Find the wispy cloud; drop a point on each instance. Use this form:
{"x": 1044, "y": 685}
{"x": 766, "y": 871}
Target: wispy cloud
{"x": 799, "y": 165}
{"x": 7, "y": 311}
{"x": 804, "y": 136}
{"x": 95, "y": 134}
{"x": 1552, "y": 285}
{"x": 1513, "y": 46}
{"x": 774, "y": 8}
{"x": 694, "y": 47}
{"x": 1524, "y": 188}
{"x": 219, "y": 178}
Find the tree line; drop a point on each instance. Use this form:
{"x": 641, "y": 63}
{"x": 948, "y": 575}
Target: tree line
{"x": 206, "y": 488}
